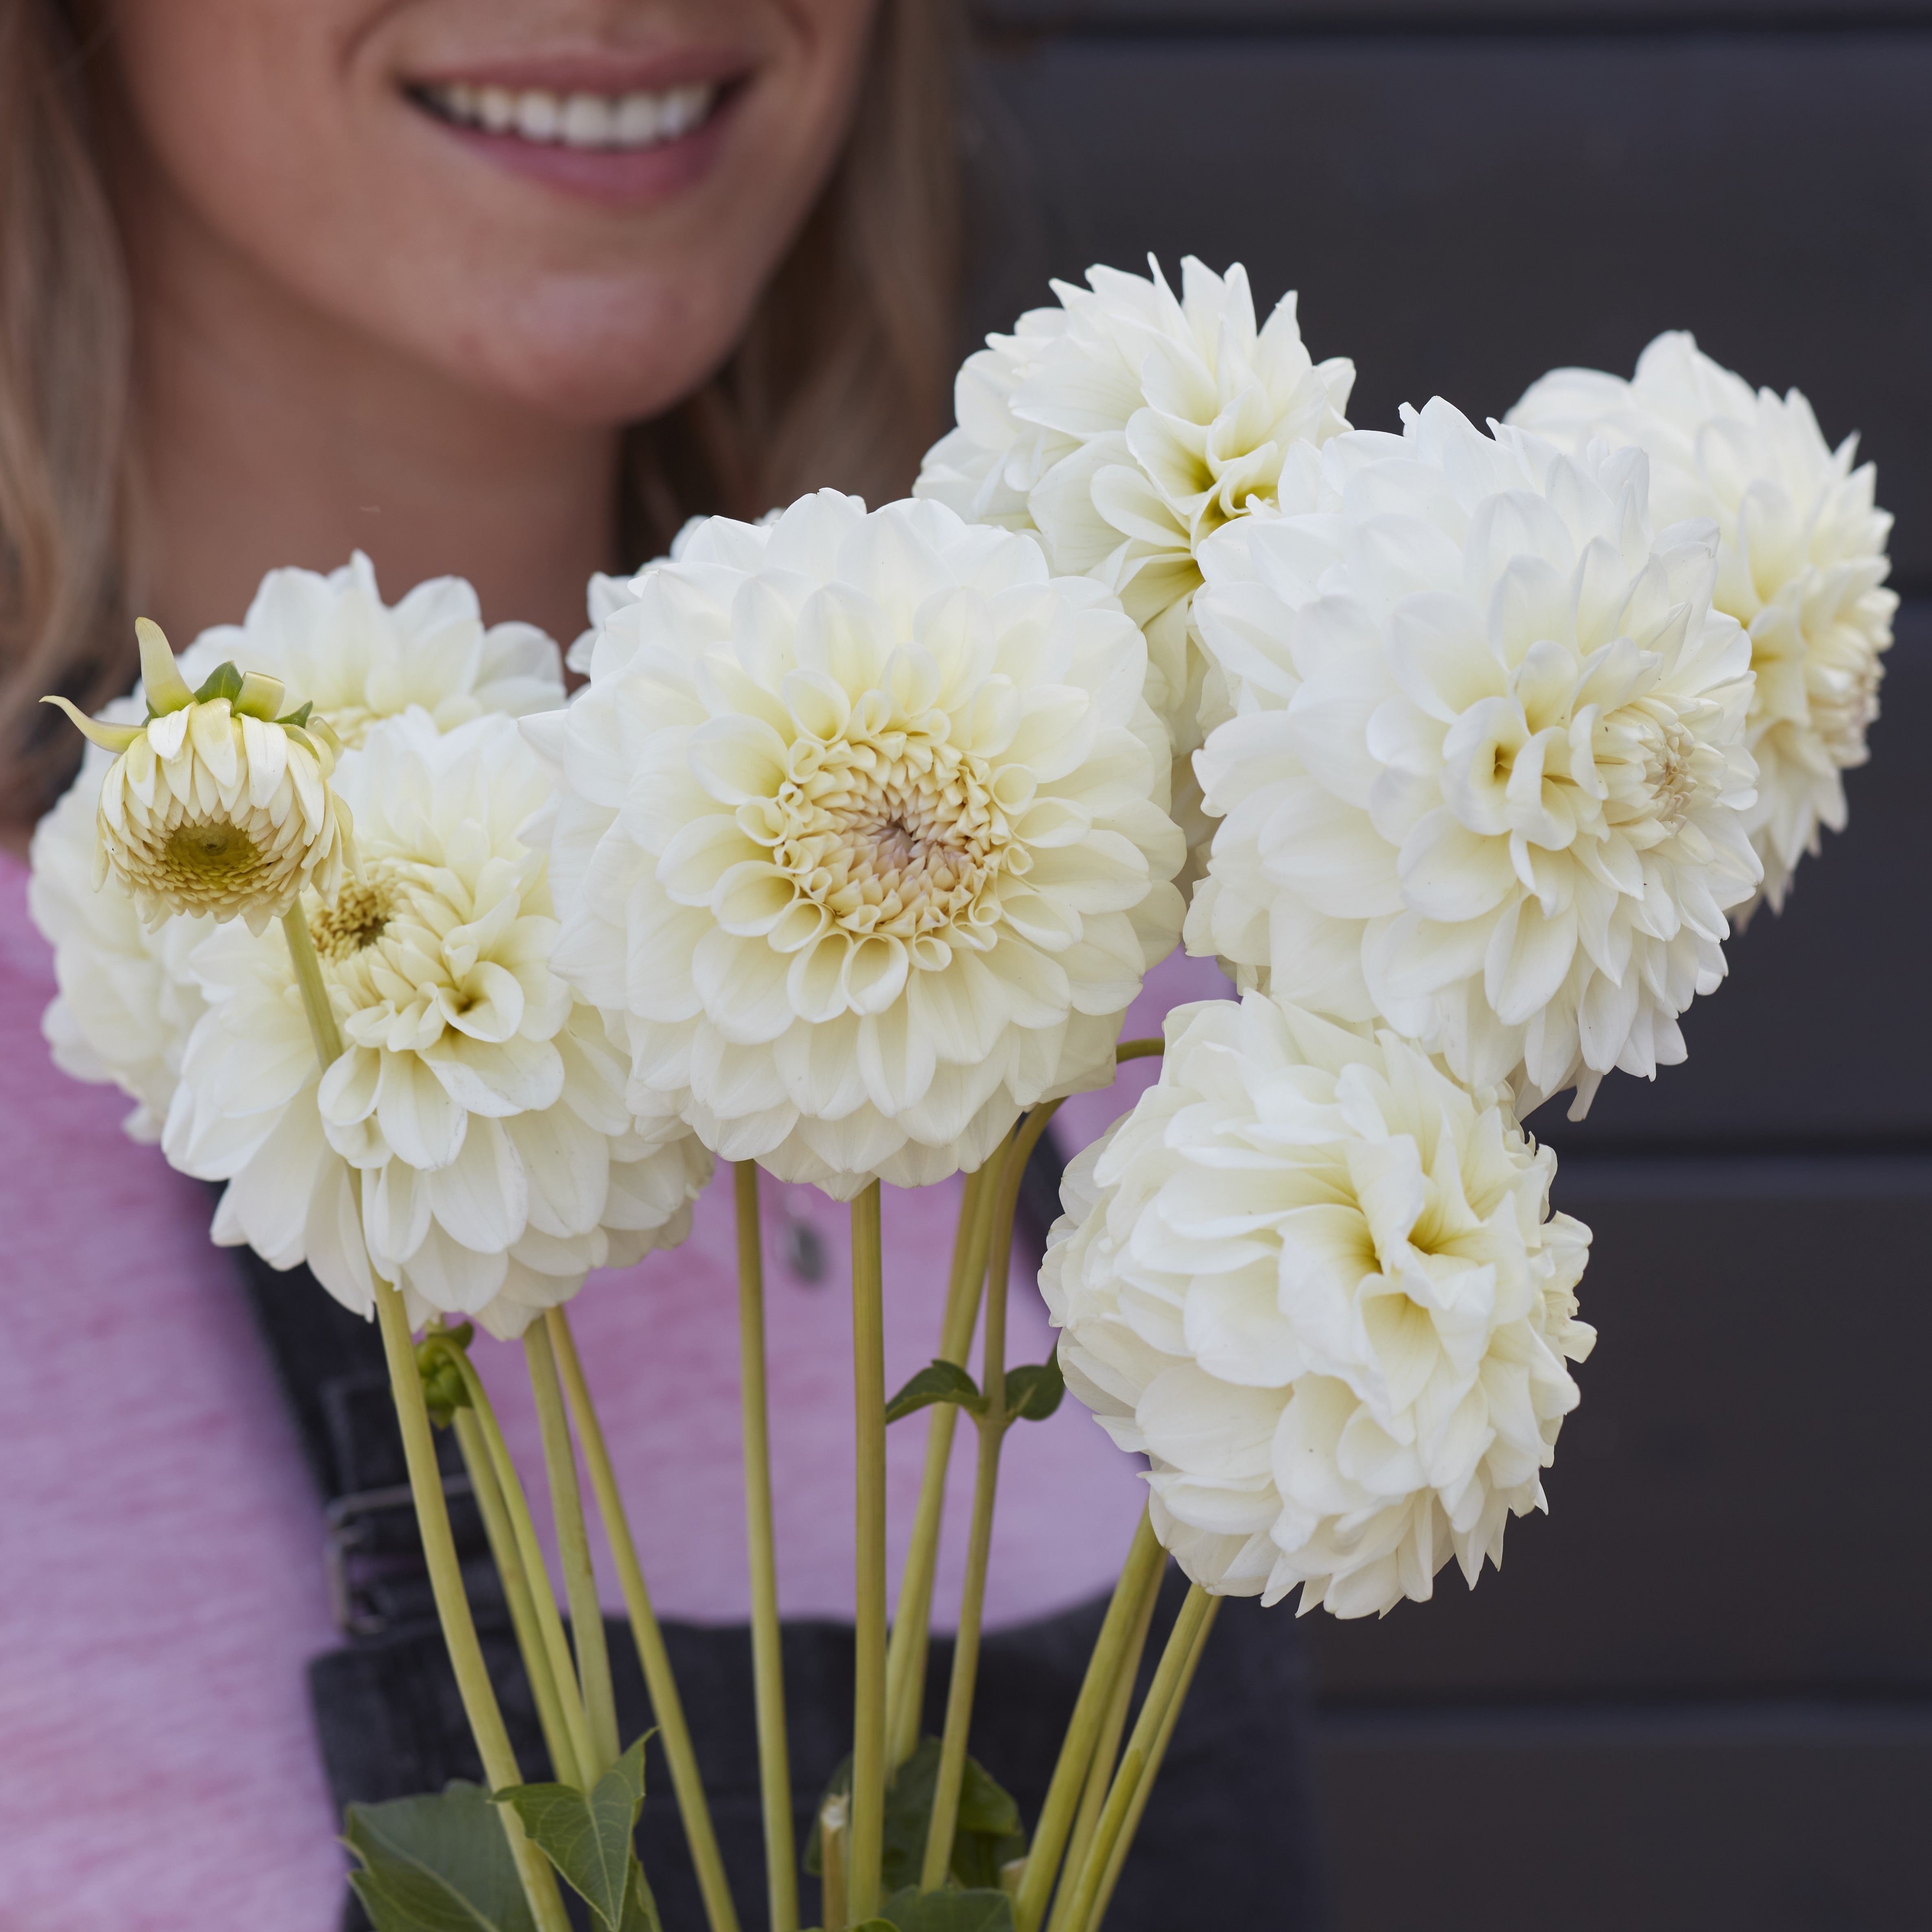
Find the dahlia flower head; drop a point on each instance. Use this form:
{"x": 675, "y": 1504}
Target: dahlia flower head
{"x": 127, "y": 1001}
{"x": 214, "y": 805}
{"x": 859, "y": 836}
{"x": 1125, "y": 427}
{"x": 1488, "y": 782}
{"x": 1314, "y": 1279}
{"x": 332, "y": 641}
{"x": 1801, "y": 563}
{"x": 477, "y": 1113}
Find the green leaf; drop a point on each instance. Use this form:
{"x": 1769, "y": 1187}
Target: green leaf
{"x": 977, "y": 1910}
{"x": 224, "y": 681}
{"x": 588, "y": 1837}
{"x": 299, "y": 717}
{"x": 988, "y": 1832}
{"x": 438, "y": 1863}
{"x": 1033, "y": 1393}
{"x": 943, "y": 1382}
{"x": 640, "y": 1909}
{"x": 986, "y": 1807}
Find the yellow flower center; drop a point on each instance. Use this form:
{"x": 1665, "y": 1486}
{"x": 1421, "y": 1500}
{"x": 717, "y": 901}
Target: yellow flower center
{"x": 1672, "y": 782}
{"x": 1654, "y": 765}
{"x": 898, "y": 835}
{"x": 356, "y": 921}
{"x": 214, "y": 853}
{"x": 1844, "y": 704}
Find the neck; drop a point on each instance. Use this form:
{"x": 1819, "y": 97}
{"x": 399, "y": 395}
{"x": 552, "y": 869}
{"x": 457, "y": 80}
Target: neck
{"x": 271, "y": 433}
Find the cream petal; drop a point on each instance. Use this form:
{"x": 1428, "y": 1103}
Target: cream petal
{"x": 747, "y": 995}
{"x": 1327, "y": 854}
{"x": 496, "y": 1079}
{"x": 1189, "y": 1417}
{"x": 1236, "y": 1329}
{"x": 419, "y": 1119}
{"x": 333, "y": 1243}
{"x": 700, "y": 856}
{"x": 396, "y": 1209}
{"x": 896, "y": 1060}
{"x": 267, "y": 1204}
{"x": 873, "y": 975}
{"x": 449, "y": 1275}
{"x": 844, "y": 633}
{"x": 738, "y": 758}
{"x": 484, "y": 1196}
{"x": 818, "y": 1063}
{"x": 1528, "y": 958}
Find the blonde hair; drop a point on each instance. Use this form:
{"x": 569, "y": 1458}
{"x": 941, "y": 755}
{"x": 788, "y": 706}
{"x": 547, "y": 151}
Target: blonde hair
{"x": 841, "y": 379}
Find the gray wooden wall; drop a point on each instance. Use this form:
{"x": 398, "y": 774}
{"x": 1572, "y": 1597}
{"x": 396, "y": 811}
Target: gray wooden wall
{"x": 1700, "y": 1695}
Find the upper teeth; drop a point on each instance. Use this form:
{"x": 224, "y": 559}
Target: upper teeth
{"x": 638, "y": 120}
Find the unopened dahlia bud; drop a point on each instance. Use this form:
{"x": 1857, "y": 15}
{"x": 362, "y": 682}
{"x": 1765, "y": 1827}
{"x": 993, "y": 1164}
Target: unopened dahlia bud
{"x": 216, "y": 804}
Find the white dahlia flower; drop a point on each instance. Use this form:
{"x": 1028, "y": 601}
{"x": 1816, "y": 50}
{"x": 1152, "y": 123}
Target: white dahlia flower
{"x": 332, "y": 641}
{"x": 1801, "y": 563}
{"x": 127, "y": 1001}
{"x": 215, "y": 806}
{"x": 1314, "y": 1280}
{"x": 860, "y": 828}
{"x": 1488, "y": 783}
{"x": 478, "y": 1108}
{"x": 1126, "y": 426}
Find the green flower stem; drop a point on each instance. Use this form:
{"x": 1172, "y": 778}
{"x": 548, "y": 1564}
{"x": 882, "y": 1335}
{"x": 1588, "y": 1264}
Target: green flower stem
{"x": 867, "y": 1843}
{"x": 445, "y": 1573}
{"x": 905, "y": 1655}
{"x": 767, "y": 1657}
{"x": 562, "y": 1672}
{"x": 1161, "y": 1693}
{"x": 573, "y": 1543}
{"x": 1124, "y": 1843}
{"x": 959, "y": 1691}
{"x": 1107, "y": 1668}
{"x": 502, "y": 1535}
{"x": 1087, "y": 1760}
{"x": 667, "y": 1706}
{"x": 314, "y": 989}
{"x": 459, "y": 1631}
{"x": 834, "y": 1838}
{"x": 992, "y": 1427}
{"x": 1106, "y": 1753}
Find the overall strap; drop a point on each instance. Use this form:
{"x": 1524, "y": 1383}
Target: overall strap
{"x": 329, "y": 1366}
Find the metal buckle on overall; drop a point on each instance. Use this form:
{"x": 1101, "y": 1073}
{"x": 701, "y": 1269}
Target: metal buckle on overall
{"x": 351, "y": 1576}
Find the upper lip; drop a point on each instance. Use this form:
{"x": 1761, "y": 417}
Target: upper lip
{"x": 611, "y": 71}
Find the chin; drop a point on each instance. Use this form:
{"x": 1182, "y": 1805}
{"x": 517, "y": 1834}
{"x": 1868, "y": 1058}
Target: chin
{"x": 624, "y": 364}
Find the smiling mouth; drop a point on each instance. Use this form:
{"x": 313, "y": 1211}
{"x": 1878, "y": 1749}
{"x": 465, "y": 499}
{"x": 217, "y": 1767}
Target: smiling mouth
{"x": 626, "y": 122}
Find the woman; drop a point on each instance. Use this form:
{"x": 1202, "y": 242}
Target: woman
{"x": 505, "y": 291}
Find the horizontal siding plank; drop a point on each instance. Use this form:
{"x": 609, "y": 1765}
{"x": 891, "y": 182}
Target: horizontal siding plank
{"x": 1460, "y": 214}
{"x": 1824, "y": 1027}
{"x": 1544, "y": 16}
{"x": 1788, "y": 1819}
{"x": 1738, "y": 1505}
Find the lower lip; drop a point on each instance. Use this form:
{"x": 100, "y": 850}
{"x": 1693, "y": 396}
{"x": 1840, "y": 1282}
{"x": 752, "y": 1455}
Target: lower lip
{"x": 620, "y": 177}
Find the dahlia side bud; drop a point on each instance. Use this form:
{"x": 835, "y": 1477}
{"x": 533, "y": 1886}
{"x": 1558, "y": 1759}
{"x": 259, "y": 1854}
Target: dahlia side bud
{"x": 216, "y": 804}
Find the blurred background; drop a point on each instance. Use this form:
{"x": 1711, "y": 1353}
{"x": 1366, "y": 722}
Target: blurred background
{"x": 1700, "y": 1695}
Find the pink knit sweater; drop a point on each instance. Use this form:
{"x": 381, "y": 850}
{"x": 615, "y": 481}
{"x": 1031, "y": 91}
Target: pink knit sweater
{"x": 160, "y": 1579}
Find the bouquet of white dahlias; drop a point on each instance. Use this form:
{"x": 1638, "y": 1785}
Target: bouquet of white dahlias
{"x": 1460, "y": 749}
